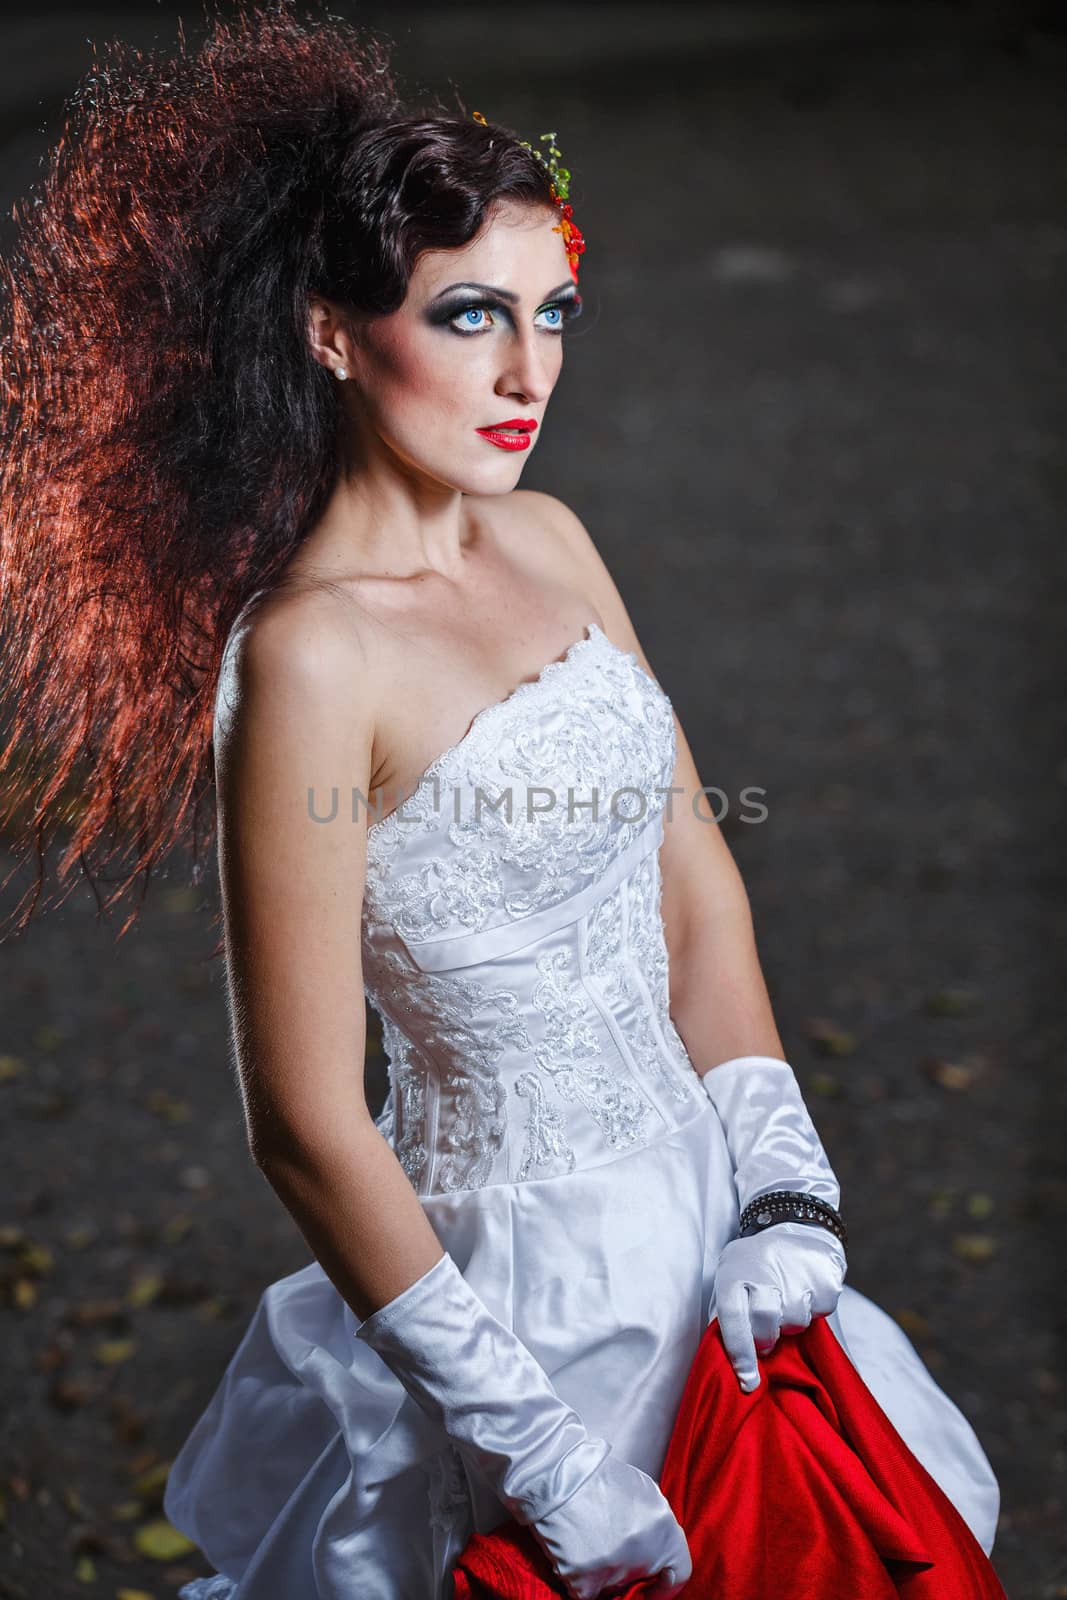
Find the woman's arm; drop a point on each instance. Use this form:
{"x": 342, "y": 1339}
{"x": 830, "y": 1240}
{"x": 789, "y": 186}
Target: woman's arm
{"x": 791, "y": 1270}
{"x": 719, "y": 999}
{"x": 302, "y": 718}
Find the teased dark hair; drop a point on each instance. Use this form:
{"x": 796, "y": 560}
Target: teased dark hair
{"x": 166, "y": 436}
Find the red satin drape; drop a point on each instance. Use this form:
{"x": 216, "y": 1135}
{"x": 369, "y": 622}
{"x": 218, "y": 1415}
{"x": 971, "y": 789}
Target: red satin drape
{"x": 801, "y": 1490}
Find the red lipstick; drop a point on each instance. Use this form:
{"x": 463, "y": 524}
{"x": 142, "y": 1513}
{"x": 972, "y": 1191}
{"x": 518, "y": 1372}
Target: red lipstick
{"x": 518, "y": 436}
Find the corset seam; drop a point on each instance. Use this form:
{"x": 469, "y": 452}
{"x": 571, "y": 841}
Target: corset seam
{"x": 431, "y": 1123}
{"x": 669, "y": 1066}
{"x": 591, "y": 986}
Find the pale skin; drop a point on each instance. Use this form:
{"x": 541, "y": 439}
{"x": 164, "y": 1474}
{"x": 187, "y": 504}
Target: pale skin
{"x": 464, "y": 586}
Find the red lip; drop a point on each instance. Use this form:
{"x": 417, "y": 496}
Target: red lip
{"x": 510, "y": 441}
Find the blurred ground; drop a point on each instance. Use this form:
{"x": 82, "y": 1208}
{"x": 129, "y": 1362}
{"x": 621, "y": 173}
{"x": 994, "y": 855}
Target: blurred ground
{"x": 813, "y": 416}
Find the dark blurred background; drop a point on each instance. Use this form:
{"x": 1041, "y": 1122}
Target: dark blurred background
{"x": 813, "y": 416}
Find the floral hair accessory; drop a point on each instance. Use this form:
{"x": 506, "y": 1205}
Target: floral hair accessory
{"x": 560, "y": 180}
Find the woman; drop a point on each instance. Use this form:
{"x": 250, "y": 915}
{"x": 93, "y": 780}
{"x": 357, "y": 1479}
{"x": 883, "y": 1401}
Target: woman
{"x": 327, "y": 328}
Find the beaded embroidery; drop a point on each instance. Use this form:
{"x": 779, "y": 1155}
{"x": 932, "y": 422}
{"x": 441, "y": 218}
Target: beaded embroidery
{"x": 490, "y": 867}
{"x": 571, "y": 1054}
{"x": 546, "y": 1138}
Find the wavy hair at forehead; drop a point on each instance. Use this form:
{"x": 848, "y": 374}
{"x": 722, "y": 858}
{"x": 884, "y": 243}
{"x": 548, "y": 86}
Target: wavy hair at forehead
{"x": 167, "y": 438}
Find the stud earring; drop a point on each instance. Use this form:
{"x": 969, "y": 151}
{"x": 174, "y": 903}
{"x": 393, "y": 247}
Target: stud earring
{"x": 342, "y": 373}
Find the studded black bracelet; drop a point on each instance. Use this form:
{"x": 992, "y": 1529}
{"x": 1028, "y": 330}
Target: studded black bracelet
{"x": 791, "y": 1205}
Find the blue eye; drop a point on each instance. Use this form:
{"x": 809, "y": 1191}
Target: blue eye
{"x": 467, "y": 319}
{"x": 474, "y": 311}
{"x": 478, "y": 318}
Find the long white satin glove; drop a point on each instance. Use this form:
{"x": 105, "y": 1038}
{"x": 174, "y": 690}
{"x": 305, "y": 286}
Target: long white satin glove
{"x": 602, "y": 1522}
{"x": 776, "y": 1280}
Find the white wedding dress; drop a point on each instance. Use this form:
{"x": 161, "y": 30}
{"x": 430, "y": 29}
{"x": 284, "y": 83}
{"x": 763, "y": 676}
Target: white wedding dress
{"x": 547, "y": 1114}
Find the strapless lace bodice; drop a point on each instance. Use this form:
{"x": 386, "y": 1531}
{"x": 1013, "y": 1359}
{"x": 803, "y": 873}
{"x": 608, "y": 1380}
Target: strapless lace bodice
{"x": 513, "y": 942}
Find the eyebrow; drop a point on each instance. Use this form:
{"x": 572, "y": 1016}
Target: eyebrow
{"x": 564, "y": 290}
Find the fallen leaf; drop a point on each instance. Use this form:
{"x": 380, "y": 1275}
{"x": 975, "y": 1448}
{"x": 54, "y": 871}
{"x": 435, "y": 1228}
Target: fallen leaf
{"x": 824, "y": 1084}
{"x": 149, "y": 1485}
{"x": 11, "y": 1067}
{"x": 85, "y": 1569}
{"x": 979, "y": 1205}
{"x": 144, "y": 1289}
{"x": 955, "y": 1075}
{"x": 87, "y": 1313}
{"x": 951, "y": 1002}
{"x": 92, "y": 1541}
{"x": 35, "y": 1258}
{"x": 215, "y": 1307}
{"x": 129, "y": 1423}
{"x": 66, "y": 1395}
{"x": 828, "y": 1038}
{"x": 47, "y": 1106}
{"x": 975, "y": 1247}
{"x": 160, "y": 1541}
{"x": 915, "y": 1325}
{"x": 80, "y": 1238}
{"x": 53, "y": 1356}
{"x": 180, "y": 1291}
{"x": 110, "y": 1352}
{"x": 73, "y": 1502}
{"x": 175, "y": 1228}
{"x": 940, "y": 1202}
{"x": 24, "y": 1294}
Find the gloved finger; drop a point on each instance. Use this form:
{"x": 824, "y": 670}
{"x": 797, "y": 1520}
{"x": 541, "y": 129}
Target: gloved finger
{"x": 669, "y": 1585}
{"x": 797, "y": 1316}
{"x": 764, "y": 1315}
{"x": 736, "y": 1330}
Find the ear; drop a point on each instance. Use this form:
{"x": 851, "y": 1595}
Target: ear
{"x": 328, "y": 335}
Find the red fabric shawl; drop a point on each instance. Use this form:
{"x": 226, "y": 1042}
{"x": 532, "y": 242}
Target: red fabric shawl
{"x": 801, "y": 1490}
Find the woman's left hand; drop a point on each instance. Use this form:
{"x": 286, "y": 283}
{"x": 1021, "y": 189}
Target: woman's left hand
{"x": 774, "y": 1282}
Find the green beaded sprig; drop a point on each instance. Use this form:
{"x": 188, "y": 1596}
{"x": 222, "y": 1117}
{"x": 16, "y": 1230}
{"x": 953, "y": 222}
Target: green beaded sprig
{"x": 560, "y": 176}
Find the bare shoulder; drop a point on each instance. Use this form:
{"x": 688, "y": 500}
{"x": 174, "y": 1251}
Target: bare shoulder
{"x": 579, "y": 561}
{"x": 300, "y": 639}
{"x": 296, "y": 667}
{"x": 547, "y": 513}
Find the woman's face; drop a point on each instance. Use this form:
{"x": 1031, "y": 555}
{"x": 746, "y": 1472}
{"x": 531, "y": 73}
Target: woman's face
{"x": 477, "y": 343}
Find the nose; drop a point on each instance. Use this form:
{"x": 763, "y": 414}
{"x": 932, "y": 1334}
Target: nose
{"x": 531, "y": 369}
